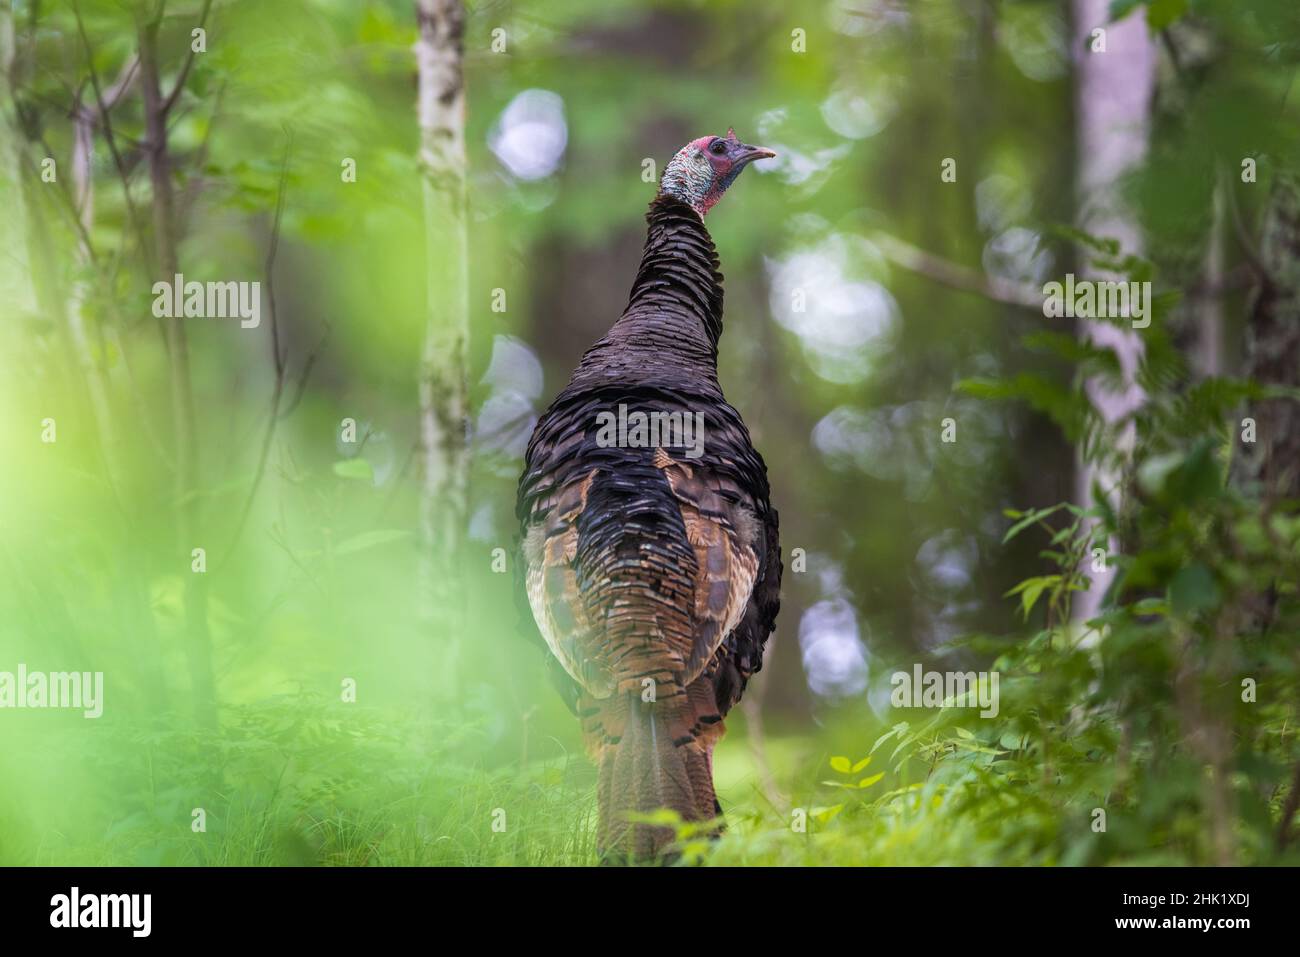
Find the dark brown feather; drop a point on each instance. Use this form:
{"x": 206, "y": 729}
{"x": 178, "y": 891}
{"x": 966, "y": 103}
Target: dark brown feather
{"x": 654, "y": 578}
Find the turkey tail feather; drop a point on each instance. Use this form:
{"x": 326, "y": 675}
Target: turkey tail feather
{"x": 651, "y": 756}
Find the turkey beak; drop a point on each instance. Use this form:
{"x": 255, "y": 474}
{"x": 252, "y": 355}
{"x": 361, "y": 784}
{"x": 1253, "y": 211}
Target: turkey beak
{"x": 750, "y": 153}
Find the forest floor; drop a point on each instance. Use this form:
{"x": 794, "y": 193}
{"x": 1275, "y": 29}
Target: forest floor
{"x": 297, "y": 784}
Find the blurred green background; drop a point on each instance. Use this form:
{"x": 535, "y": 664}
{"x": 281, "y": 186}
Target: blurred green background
{"x": 312, "y": 555}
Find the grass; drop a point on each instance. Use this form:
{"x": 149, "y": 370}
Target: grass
{"x": 302, "y": 781}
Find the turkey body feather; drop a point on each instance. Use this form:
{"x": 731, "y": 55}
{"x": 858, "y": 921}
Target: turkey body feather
{"x": 652, "y": 571}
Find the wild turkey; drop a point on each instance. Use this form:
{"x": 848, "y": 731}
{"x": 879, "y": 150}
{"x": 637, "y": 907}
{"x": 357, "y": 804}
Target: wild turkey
{"x": 652, "y": 563}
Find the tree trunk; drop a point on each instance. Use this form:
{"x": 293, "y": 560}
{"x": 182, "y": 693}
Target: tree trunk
{"x": 1273, "y": 350}
{"x": 12, "y": 123}
{"x": 444, "y": 404}
{"x": 1113, "y": 103}
{"x": 28, "y": 218}
{"x": 1270, "y": 466}
{"x": 198, "y": 637}
{"x": 1209, "y": 310}
{"x": 83, "y": 197}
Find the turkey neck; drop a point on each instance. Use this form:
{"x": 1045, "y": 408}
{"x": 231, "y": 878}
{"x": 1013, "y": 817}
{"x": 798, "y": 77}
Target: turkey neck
{"x": 674, "y": 314}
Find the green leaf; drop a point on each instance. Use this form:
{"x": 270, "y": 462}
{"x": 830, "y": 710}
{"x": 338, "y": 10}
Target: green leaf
{"x": 1161, "y": 13}
{"x": 1102, "y": 244}
{"x": 372, "y": 539}
{"x": 1155, "y": 471}
{"x": 896, "y": 729}
{"x": 867, "y": 782}
{"x": 825, "y": 814}
{"x": 1031, "y": 589}
{"x": 904, "y": 742}
{"x": 1150, "y": 606}
{"x": 1029, "y": 597}
{"x": 841, "y": 764}
{"x": 1034, "y": 516}
{"x": 860, "y": 765}
{"x": 663, "y": 817}
{"x": 1201, "y": 477}
{"x": 357, "y": 468}
{"x": 1193, "y": 589}
{"x": 978, "y": 749}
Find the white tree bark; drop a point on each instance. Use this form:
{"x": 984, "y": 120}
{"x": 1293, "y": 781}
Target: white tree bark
{"x": 1113, "y": 93}
{"x": 85, "y": 116}
{"x": 13, "y": 136}
{"x": 444, "y": 405}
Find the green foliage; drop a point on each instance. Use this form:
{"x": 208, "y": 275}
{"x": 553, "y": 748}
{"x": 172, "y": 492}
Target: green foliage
{"x": 311, "y": 572}
{"x": 1136, "y": 692}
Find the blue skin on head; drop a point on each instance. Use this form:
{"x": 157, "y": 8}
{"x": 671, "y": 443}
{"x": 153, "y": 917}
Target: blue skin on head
{"x": 704, "y": 169}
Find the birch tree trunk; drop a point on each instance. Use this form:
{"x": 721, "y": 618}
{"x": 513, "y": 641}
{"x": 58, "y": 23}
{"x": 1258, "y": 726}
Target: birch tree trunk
{"x": 84, "y": 118}
{"x": 1113, "y": 93}
{"x": 443, "y": 388}
{"x": 11, "y": 123}
{"x": 60, "y": 300}
{"x": 29, "y": 222}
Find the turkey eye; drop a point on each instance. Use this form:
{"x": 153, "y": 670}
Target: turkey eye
{"x": 718, "y": 147}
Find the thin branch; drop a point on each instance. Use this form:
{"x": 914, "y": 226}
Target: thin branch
{"x": 107, "y": 122}
{"x": 956, "y": 276}
{"x": 1175, "y": 58}
{"x": 189, "y": 62}
{"x": 195, "y": 183}
{"x": 1245, "y": 238}
{"x": 306, "y": 373}
{"x": 125, "y": 77}
{"x": 271, "y": 251}
{"x": 278, "y": 358}
{"x": 144, "y": 411}
{"x": 68, "y": 204}
{"x": 79, "y": 112}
